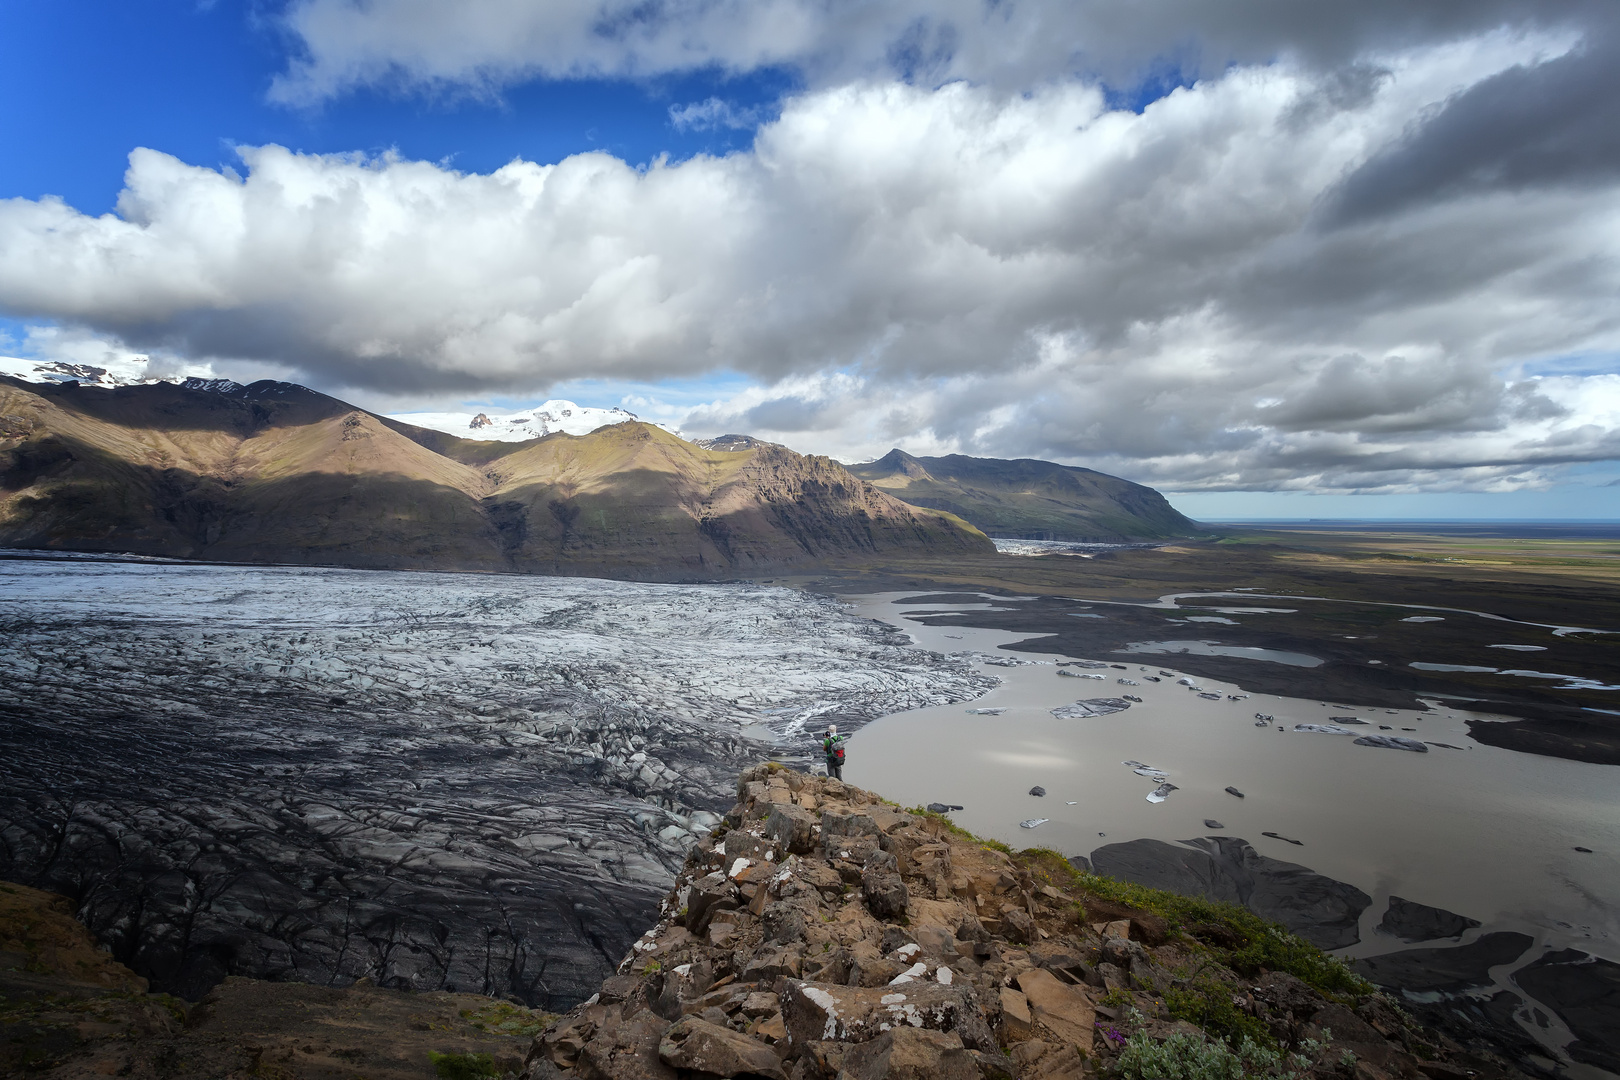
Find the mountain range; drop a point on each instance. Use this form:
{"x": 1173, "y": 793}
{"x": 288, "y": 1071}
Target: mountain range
{"x": 276, "y": 472}
{"x": 1027, "y": 499}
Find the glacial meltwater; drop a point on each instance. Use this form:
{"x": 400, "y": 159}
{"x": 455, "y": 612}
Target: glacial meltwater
{"x": 1516, "y": 841}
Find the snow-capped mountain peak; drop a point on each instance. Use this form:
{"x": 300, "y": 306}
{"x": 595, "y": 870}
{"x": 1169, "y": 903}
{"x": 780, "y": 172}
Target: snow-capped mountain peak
{"x": 117, "y": 372}
{"x": 498, "y": 425}
{"x": 518, "y": 425}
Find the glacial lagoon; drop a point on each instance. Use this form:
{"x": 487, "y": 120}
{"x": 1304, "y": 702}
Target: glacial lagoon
{"x": 1490, "y": 834}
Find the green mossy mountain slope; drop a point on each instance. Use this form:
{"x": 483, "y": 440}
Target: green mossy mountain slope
{"x": 1028, "y": 499}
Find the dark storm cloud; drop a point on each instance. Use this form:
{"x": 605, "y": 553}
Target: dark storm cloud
{"x": 1550, "y": 124}
{"x": 489, "y": 43}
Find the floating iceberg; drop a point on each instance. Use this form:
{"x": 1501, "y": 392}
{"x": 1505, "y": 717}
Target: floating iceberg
{"x": 1393, "y": 742}
{"x": 1091, "y": 707}
{"x": 1142, "y": 769}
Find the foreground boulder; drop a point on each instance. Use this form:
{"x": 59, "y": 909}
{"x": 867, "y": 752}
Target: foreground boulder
{"x": 822, "y": 934}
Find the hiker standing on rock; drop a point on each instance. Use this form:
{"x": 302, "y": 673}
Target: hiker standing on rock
{"x": 832, "y": 745}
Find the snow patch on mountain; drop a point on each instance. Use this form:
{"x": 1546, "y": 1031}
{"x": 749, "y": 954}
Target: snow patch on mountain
{"x": 112, "y": 371}
{"x": 518, "y": 425}
{"x": 509, "y": 425}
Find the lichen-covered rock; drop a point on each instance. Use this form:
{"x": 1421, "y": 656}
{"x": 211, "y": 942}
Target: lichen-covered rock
{"x": 821, "y": 1012}
{"x": 1065, "y": 1011}
{"x": 793, "y": 828}
{"x": 627, "y": 1051}
{"x": 885, "y": 891}
{"x": 709, "y": 895}
{"x": 911, "y": 1054}
{"x": 700, "y": 1046}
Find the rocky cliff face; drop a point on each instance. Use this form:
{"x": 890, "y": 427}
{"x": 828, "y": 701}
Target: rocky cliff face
{"x": 821, "y": 933}
{"x": 1028, "y": 499}
{"x": 278, "y": 473}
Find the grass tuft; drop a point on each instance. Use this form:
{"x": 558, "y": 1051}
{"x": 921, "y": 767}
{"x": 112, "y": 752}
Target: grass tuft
{"x": 463, "y": 1066}
{"x": 1236, "y": 936}
{"x": 957, "y": 831}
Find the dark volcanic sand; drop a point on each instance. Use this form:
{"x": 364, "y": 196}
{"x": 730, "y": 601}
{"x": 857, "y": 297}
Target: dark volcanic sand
{"x": 1319, "y": 909}
{"x": 1414, "y": 922}
{"x": 1586, "y": 993}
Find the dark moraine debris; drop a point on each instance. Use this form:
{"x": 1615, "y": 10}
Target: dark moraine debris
{"x": 1585, "y": 991}
{"x": 1414, "y": 922}
{"x": 1489, "y": 1024}
{"x": 1234, "y": 791}
{"x": 1446, "y": 971}
{"x": 1319, "y": 909}
{"x": 1393, "y": 742}
{"x": 1038, "y": 791}
{"x": 942, "y": 808}
{"x": 1211, "y": 823}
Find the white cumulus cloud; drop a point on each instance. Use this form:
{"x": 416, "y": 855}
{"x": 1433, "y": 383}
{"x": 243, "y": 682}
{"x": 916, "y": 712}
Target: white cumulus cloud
{"x": 1179, "y": 294}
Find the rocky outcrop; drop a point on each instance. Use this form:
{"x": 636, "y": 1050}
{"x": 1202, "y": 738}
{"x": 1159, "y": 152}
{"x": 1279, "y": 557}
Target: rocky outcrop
{"x": 821, "y": 933}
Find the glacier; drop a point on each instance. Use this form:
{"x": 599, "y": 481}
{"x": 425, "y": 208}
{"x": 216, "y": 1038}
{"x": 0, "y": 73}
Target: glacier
{"x": 437, "y": 781}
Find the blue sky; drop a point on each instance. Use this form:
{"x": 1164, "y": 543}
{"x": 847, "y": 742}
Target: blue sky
{"x": 86, "y": 81}
{"x": 1361, "y": 261}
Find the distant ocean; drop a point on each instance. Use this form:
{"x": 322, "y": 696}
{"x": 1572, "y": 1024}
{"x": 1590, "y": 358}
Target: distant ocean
{"x": 1507, "y": 528}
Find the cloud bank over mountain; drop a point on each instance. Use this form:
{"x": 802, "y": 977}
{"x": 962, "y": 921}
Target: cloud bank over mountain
{"x": 1339, "y": 260}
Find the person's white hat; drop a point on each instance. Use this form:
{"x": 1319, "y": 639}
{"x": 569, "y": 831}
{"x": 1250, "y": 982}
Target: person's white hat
{"x": 832, "y": 729}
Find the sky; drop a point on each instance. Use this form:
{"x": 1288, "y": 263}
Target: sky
{"x": 1276, "y": 258}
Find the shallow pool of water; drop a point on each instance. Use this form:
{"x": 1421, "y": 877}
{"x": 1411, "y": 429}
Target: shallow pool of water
{"x": 1566, "y": 682}
{"x": 1210, "y": 648}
